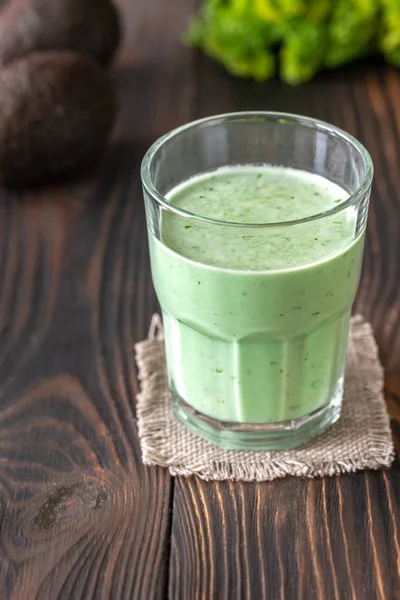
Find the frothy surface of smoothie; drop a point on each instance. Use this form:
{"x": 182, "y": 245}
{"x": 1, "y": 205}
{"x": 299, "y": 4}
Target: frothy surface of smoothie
{"x": 257, "y": 318}
{"x": 249, "y": 195}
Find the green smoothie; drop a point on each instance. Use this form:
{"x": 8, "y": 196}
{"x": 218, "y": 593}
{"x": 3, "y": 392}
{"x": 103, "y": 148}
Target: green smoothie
{"x": 256, "y": 318}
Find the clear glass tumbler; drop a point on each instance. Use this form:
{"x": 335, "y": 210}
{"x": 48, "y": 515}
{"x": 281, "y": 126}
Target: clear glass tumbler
{"x": 256, "y": 358}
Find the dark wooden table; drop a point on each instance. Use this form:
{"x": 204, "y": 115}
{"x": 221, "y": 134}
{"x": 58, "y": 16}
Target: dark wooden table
{"x": 80, "y": 516}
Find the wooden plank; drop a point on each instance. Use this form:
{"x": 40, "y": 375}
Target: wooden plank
{"x": 325, "y": 538}
{"x": 80, "y": 516}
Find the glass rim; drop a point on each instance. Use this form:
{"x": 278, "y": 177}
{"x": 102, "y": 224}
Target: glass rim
{"x": 309, "y": 122}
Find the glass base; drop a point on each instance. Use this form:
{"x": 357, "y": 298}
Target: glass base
{"x": 251, "y": 436}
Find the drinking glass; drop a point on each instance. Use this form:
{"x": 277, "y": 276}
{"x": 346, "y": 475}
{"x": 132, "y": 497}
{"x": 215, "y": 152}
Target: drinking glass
{"x": 256, "y": 358}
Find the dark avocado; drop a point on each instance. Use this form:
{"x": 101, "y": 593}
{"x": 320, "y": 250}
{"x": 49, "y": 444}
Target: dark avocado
{"x": 56, "y": 113}
{"x": 91, "y": 27}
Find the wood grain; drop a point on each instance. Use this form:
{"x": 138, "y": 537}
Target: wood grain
{"x": 80, "y": 516}
{"x": 325, "y": 538}
{"x": 334, "y": 538}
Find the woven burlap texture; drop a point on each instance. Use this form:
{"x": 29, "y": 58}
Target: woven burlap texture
{"x": 361, "y": 439}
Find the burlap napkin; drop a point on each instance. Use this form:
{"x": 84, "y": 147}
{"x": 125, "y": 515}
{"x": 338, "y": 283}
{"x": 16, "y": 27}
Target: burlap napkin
{"x": 361, "y": 439}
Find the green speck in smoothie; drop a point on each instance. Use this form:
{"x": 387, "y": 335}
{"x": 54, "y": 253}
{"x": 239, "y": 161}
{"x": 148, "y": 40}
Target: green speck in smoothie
{"x": 218, "y": 371}
{"x": 188, "y": 226}
{"x": 315, "y": 314}
{"x": 199, "y": 282}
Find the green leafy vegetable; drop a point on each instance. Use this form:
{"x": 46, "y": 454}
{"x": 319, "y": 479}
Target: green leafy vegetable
{"x": 297, "y": 38}
{"x": 389, "y": 41}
